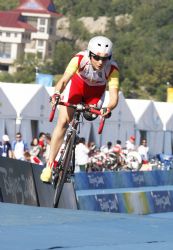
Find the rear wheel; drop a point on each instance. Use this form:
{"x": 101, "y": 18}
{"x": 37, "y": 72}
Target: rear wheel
{"x": 63, "y": 169}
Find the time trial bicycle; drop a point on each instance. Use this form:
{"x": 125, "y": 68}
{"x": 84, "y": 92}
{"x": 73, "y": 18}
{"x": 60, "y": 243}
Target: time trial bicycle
{"x": 63, "y": 169}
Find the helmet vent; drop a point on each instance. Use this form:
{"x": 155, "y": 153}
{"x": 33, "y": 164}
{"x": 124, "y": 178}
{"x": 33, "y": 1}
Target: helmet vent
{"x": 106, "y": 45}
{"x": 99, "y": 44}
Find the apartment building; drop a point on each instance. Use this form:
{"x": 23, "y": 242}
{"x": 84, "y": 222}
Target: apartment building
{"x": 29, "y": 28}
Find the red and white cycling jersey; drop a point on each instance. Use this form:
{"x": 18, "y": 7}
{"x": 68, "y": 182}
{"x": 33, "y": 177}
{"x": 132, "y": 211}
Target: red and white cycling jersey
{"x": 87, "y": 84}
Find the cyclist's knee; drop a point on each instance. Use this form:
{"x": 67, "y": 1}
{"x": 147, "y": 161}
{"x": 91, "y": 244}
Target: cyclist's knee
{"x": 62, "y": 122}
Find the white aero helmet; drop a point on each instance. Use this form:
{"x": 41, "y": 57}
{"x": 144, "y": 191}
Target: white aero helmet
{"x": 100, "y": 44}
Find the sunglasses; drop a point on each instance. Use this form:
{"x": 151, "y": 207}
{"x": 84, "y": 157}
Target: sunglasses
{"x": 98, "y": 58}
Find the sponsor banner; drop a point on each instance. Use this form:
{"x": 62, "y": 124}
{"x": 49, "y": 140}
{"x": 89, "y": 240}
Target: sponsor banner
{"x": 122, "y": 179}
{"x": 108, "y": 203}
{"x": 84, "y": 181}
{"x": 137, "y": 179}
{"x": 103, "y": 203}
{"x": 162, "y": 201}
{"x": 20, "y": 183}
{"x": 130, "y": 202}
{"x": 135, "y": 203}
{"x": 102, "y": 180}
{"x": 16, "y": 182}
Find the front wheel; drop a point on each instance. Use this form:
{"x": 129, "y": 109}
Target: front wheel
{"x": 63, "y": 170}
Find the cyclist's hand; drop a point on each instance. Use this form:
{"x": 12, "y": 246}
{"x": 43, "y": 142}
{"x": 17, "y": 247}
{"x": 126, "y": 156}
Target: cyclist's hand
{"x": 54, "y": 99}
{"x": 106, "y": 112}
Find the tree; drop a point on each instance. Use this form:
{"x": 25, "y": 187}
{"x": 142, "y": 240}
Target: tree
{"x": 63, "y": 53}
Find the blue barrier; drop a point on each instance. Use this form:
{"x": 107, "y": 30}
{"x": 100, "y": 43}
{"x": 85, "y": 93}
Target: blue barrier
{"x": 16, "y": 182}
{"x": 118, "y": 192}
{"x": 20, "y": 183}
{"x": 125, "y": 192}
{"x": 131, "y": 202}
{"x": 122, "y": 179}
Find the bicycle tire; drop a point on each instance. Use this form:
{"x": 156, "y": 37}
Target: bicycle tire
{"x": 65, "y": 165}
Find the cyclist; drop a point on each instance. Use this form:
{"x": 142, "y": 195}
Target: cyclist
{"x": 84, "y": 80}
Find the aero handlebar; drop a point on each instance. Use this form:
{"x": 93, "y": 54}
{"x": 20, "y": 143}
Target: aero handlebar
{"x": 79, "y": 108}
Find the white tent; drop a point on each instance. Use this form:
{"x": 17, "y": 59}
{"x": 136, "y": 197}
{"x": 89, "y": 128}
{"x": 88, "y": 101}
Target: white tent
{"x": 31, "y": 103}
{"x": 147, "y": 119}
{"x": 165, "y": 111}
{"x": 26, "y": 107}
{"x": 119, "y": 126}
{"x": 7, "y": 115}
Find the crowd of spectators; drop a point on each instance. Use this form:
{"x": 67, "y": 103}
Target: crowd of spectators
{"x": 37, "y": 151}
{"x": 111, "y": 156}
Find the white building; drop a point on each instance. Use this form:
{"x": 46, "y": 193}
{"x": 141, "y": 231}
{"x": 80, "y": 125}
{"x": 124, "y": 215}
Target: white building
{"x": 30, "y": 28}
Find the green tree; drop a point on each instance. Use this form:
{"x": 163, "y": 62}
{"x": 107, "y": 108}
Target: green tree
{"x": 143, "y": 48}
{"x": 78, "y": 30}
{"x": 8, "y": 4}
{"x": 63, "y": 53}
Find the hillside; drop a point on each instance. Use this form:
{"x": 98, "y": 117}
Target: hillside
{"x": 141, "y": 30}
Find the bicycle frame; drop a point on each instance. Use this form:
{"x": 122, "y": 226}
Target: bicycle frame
{"x": 64, "y": 167}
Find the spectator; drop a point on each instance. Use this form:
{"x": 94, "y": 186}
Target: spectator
{"x": 42, "y": 145}
{"x": 92, "y": 148}
{"x": 5, "y": 147}
{"x": 81, "y": 154}
{"x": 31, "y": 158}
{"x": 19, "y": 147}
{"x": 35, "y": 149}
{"x": 130, "y": 144}
{"x": 108, "y": 148}
{"x": 143, "y": 150}
{"x": 117, "y": 148}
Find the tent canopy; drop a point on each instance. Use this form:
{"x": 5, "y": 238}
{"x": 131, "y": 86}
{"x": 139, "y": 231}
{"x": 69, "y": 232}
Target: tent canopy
{"x": 146, "y": 115}
{"x": 30, "y": 101}
{"x": 119, "y": 126}
{"x": 6, "y": 108}
{"x": 122, "y": 112}
{"x": 165, "y": 111}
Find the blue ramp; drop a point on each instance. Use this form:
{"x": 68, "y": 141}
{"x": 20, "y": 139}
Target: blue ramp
{"x": 25, "y": 227}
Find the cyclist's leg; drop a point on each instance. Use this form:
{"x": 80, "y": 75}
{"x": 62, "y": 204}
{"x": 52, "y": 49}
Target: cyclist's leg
{"x": 64, "y": 118}
{"x": 72, "y": 94}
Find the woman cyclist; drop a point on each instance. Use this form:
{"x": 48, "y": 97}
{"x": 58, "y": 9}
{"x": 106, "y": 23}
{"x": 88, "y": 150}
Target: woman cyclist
{"x": 84, "y": 80}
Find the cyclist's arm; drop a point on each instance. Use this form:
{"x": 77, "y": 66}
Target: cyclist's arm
{"x": 113, "y": 83}
{"x": 69, "y": 72}
{"x": 113, "y": 98}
